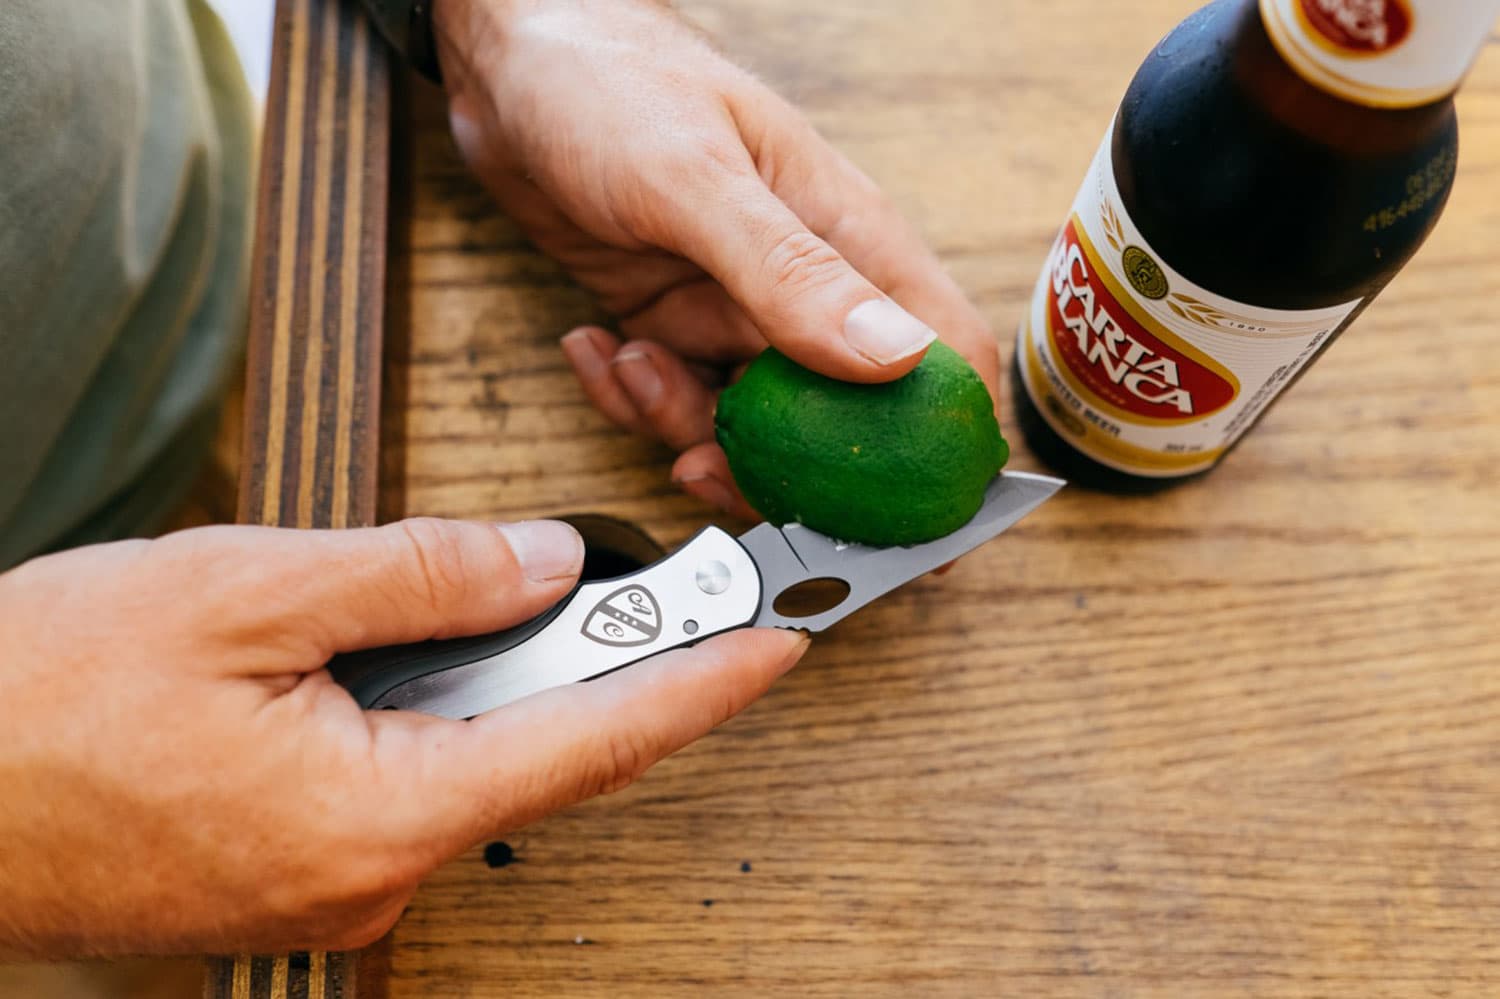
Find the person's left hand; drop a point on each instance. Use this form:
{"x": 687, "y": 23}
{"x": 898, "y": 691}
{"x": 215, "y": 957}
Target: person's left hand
{"x": 180, "y": 774}
{"x": 702, "y": 209}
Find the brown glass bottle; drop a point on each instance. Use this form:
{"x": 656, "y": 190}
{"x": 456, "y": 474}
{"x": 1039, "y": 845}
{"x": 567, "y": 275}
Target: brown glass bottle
{"x": 1246, "y": 179}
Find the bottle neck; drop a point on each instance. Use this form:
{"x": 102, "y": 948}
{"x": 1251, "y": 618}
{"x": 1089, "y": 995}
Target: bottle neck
{"x": 1380, "y": 53}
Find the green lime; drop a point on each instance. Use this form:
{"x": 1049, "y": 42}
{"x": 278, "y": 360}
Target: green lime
{"x": 891, "y": 464}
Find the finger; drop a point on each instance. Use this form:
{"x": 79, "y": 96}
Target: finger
{"x": 698, "y": 320}
{"x": 798, "y": 291}
{"x": 840, "y": 203}
{"x": 315, "y": 593}
{"x": 589, "y": 350}
{"x": 886, "y": 248}
{"x": 624, "y": 281}
{"x": 704, "y": 472}
{"x": 528, "y": 759}
{"x": 675, "y": 405}
{"x": 708, "y": 374}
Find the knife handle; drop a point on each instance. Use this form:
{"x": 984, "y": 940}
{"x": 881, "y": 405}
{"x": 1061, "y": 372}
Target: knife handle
{"x": 708, "y": 586}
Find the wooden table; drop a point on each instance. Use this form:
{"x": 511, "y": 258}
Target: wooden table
{"x": 1236, "y": 739}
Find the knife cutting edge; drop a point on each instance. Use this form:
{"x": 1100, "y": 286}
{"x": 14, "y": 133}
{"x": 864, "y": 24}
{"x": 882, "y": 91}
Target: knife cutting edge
{"x": 712, "y": 584}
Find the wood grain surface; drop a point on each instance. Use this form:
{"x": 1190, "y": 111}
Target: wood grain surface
{"x": 1236, "y": 739}
{"x": 311, "y": 425}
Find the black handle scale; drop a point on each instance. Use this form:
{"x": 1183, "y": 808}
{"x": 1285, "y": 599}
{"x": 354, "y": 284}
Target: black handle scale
{"x": 369, "y": 674}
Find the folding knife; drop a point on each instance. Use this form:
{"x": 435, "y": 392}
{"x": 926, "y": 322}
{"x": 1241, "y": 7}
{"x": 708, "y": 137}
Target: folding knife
{"x": 712, "y": 584}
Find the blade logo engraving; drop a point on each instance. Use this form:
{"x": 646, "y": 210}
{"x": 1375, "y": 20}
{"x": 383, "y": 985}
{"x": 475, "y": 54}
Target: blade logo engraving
{"x": 629, "y": 616}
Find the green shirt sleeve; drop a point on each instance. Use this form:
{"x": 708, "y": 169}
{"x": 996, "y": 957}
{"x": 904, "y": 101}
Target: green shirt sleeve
{"x": 125, "y": 200}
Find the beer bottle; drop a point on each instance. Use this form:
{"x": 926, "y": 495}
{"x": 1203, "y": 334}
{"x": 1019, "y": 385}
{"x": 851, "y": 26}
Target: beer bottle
{"x": 1273, "y": 164}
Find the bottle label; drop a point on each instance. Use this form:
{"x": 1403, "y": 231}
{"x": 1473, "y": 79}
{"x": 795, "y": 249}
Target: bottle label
{"x": 1383, "y": 53}
{"x": 1138, "y": 367}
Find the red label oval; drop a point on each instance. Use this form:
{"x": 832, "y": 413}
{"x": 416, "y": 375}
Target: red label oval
{"x": 1364, "y": 27}
{"x": 1114, "y": 356}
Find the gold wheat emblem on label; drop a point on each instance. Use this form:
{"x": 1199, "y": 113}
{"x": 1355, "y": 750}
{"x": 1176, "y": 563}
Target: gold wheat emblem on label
{"x": 1143, "y": 273}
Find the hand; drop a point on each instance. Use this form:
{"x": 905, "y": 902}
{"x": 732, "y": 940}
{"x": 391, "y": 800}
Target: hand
{"x": 702, "y": 209}
{"x": 181, "y": 775}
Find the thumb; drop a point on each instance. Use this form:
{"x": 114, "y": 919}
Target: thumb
{"x": 802, "y": 295}
{"x": 323, "y": 592}
{"x": 518, "y": 763}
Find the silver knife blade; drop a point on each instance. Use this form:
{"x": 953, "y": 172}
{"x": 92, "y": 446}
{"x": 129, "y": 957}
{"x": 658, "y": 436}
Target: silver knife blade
{"x": 793, "y": 554}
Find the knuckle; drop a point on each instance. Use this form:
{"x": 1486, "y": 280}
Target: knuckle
{"x": 798, "y": 262}
{"x": 621, "y": 763}
{"x": 864, "y": 190}
{"x": 434, "y": 552}
{"x": 697, "y": 152}
{"x": 870, "y": 225}
{"x": 380, "y": 882}
{"x": 158, "y": 562}
{"x": 372, "y": 879}
{"x": 363, "y": 930}
{"x": 346, "y": 892}
{"x": 688, "y": 164}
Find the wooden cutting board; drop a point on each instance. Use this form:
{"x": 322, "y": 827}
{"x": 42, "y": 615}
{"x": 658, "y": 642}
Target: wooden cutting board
{"x": 1236, "y": 739}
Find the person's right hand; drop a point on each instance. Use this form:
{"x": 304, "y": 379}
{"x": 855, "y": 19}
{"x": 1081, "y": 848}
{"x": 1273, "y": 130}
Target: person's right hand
{"x": 180, "y": 774}
{"x": 702, "y": 208}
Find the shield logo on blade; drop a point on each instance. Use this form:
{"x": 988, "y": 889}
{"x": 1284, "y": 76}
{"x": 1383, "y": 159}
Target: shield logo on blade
{"x": 628, "y": 616}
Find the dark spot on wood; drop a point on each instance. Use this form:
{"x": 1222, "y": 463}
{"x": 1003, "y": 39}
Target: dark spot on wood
{"x": 708, "y": 903}
{"x": 499, "y": 854}
{"x": 744, "y": 867}
{"x": 1080, "y": 601}
{"x": 490, "y": 401}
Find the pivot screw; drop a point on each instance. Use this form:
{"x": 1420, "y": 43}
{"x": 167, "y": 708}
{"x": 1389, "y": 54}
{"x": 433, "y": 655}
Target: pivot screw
{"x": 713, "y": 577}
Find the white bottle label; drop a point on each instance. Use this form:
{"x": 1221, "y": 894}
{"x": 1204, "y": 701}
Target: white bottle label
{"x": 1138, "y": 367}
{"x": 1383, "y": 53}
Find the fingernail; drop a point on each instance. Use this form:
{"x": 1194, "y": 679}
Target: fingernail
{"x": 545, "y": 549}
{"x": 638, "y": 374}
{"x": 710, "y": 490}
{"x": 884, "y": 332}
{"x": 795, "y": 656}
{"x": 579, "y": 348}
